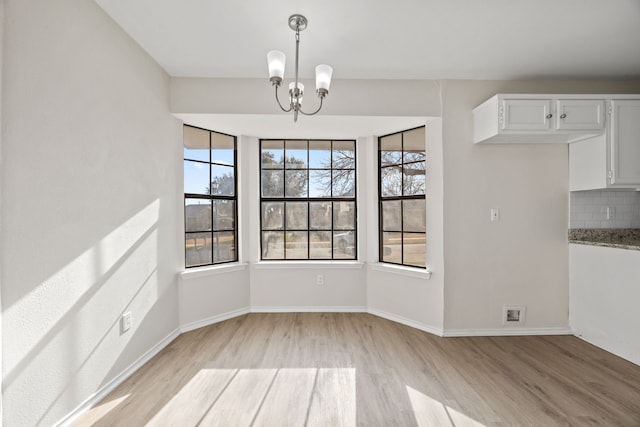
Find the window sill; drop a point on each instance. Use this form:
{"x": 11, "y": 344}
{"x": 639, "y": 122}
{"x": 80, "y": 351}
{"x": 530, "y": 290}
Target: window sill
{"x": 402, "y": 270}
{"x": 211, "y": 270}
{"x": 279, "y": 265}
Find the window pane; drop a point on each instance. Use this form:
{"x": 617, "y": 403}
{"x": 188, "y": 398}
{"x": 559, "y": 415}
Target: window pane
{"x": 272, "y": 183}
{"x": 224, "y": 213}
{"x": 415, "y": 249}
{"x": 402, "y": 178}
{"x": 320, "y": 215}
{"x": 295, "y": 171}
{"x": 414, "y": 179}
{"x": 320, "y": 183}
{"x": 272, "y": 245}
{"x": 197, "y": 215}
{"x": 344, "y": 182}
{"x": 414, "y": 216}
{"x": 320, "y": 154}
{"x": 196, "y": 177}
{"x": 222, "y": 180}
{"x": 273, "y": 216}
{"x": 296, "y": 154}
{"x": 344, "y": 216}
{"x": 391, "y": 217}
{"x": 297, "y": 245}
{"x": 210, "y": 221}
{"x": 320, "y": 244}
{"x": 223, "y": 147}
{"x": 391, "y": 180}
{"x": 272, "y": 154}
{"x": 391, "y": 150}
{"x": 344, "y": 155}
{"x": 197, "y": 249}
{"x": 296, "y": 215}
{"x": 295, "y": 183}
{"x": 224, "y": 246}
{"x": 196, "y": 143}
{"x": 344, "y": 244}
{"x": 414, "y": 145}
{"x": 392, "y": 247}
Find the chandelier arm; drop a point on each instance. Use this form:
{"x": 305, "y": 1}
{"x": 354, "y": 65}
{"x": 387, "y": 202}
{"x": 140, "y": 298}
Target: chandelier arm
{"x": 315, "y": 112}
{"x": 278, "y": 99}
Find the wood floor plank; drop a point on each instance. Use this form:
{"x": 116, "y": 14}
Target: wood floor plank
{"x": 288, "y": 399}
{"x": 319, "y": 369}
{"x": 241, "y": 400}
{"x": 333, "y": 402}
{"x": 199, "y": 395}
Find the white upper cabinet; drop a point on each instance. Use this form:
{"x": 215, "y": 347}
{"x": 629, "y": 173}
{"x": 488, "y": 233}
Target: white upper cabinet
{"x": 538, "y": 118}
{"x": 611, "y": 160}
{"x": 525, "y": 115}
{"x": 580, "y": 114}
{"x": 625, "y": 142}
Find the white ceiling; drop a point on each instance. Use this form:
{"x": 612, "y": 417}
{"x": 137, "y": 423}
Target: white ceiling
{"x": 400, "y": 39}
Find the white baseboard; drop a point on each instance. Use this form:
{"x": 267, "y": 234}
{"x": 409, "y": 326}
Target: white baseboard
{"x": 103, "y": 391}
{"x": 506, "y": 332}
{"x": 405, "y": 321}
{"x": 626, "y": 355}
{"x": 308, "y": 309}
{"x": 214, "y": 319}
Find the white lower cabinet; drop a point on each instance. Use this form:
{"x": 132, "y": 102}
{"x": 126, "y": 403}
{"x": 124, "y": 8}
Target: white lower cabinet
{"x": 604, "y": 295}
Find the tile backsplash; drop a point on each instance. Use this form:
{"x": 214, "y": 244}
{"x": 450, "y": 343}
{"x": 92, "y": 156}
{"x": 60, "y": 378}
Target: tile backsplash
{"x": 588, "y": 209}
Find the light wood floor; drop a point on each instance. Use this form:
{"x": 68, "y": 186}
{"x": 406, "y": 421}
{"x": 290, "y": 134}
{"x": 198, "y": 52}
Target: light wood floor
{"x": 321, "y": 369}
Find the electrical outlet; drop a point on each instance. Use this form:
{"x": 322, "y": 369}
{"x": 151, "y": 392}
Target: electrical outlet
{"x": 125, "y": 322}
{"x": 320, "y": 279}
{"x": 611, "y": 212}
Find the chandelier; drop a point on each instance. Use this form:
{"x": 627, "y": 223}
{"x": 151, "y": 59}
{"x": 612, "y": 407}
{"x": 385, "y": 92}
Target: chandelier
{"x": 277, "y": 60}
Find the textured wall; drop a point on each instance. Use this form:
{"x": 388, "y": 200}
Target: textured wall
{"x": 90, "y": 194}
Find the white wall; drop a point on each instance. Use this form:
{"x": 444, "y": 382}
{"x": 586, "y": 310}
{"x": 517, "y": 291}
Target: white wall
{"x": 89, "y": 206}
{"x": 400, "y": 294}
{"x": 1, "y": 67}
{"x": 216, "y": 295}
{"x": 604, "y": 298}
{"x": 523, "y": 258}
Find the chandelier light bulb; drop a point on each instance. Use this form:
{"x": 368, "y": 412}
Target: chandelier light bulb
{"x": 292, "y": 87}
{"x": 276, "y": 60}
{"x": 323, "y": 77}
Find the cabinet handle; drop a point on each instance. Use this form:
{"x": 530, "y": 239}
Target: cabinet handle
{"x": 549, "y": 115}
{"x": 563, "y": 116}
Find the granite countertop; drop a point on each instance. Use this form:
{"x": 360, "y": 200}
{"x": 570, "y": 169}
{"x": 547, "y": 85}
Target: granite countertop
{"x": 623, "y": 238}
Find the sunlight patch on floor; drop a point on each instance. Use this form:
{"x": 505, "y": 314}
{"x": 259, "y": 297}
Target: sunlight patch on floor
{"x": 101, "y": 410}
{"x": 264, "y": 397}
{"x": 431, "y": 412}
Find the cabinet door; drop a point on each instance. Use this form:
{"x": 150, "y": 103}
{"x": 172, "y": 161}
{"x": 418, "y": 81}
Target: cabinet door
{"x": 526, "y": 114}
{"x": 625, "y": 142}
{"x": 580, "y": 114}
